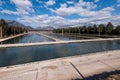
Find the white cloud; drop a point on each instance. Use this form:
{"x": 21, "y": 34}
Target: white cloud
{"x": 86, "y": 5}
{"x": 96, "y": 1}
{"x": 114, "y": 19}
{"x": 83, "y": 9}
{"x": 42, "y": 20}
{"x": 57, "y": 21}
{"x": 70, "y": 2}
{"x": 80, "y": 8}
{"x": 50, "y": 2}
{"x": 64, "y": 11}
{"x": 18, "y": 12}
{"x": 105, "y": 12}
{"x": 39, "y": 1}
{"x": 9, "y": 12}
{"x": 23, "y": 6}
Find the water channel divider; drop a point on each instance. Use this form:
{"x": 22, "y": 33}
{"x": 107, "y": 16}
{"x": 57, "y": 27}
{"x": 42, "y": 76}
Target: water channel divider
{"x": 11, "y": 37}
{"x": 56, "y": 42}
{"x": 49, "y": 37}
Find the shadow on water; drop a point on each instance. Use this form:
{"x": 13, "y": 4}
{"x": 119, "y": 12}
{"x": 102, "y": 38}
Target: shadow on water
{"x": 101, "y": 76}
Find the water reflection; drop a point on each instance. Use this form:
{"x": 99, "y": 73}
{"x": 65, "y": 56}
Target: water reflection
{"x": 12, "y": 56}
{"x": 67, "y": 37}
{"x": 27, "y": 39}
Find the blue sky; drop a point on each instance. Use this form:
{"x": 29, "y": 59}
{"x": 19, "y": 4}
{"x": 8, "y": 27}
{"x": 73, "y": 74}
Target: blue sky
{"x": 57, "y": 13}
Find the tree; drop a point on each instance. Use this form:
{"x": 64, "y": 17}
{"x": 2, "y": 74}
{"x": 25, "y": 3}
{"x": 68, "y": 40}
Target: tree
{"x": 94, "y": 30}
{"x": 9, "y": 30}
{"x": 4, "y": 25}
{"x": 83, "y": 29}
{"x": 109, "y": 28}
{"x": 89, "y": 29}
{"x": 117, "y": 30}
{"x": 100, "y": 29}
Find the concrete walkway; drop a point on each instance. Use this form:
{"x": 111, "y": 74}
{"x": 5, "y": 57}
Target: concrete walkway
{"x": 57, "y": 42}
{"x": 50, "y": 37}
{"x": 77, "y": 67}
{"x": 4, "y": 39}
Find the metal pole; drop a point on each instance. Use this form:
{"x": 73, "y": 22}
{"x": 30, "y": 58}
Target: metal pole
{"x": 14, "y": 31}
{"x": 79, "y": 30}
{"x": 99, "y": 31}
{"x": 62, "y": 31}
{"x": 0, "y": 32}
{"x": 69, "y": 31}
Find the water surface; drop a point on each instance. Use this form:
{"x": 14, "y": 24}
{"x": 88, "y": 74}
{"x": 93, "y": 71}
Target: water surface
{"x": 20, "y": 55}
{"x": 29, "y": 38}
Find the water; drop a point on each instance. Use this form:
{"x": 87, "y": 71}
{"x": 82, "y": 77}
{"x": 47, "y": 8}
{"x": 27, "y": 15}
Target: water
{"x": 20, "y": 55}
{"x": 67, "y": 37}
{"x": 29, "y": 38}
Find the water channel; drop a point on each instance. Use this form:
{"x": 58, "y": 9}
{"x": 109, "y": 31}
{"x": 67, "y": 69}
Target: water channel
{"x": 20, "y": 55}
{"x": 67, "y": 37}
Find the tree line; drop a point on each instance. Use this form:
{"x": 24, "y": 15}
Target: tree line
{"x": 100, "y": 29}
{"x": 6, "y": 30}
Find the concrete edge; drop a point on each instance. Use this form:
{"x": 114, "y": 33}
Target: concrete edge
{"x": 4, "y": 39}
{"x": 57, "y": 42}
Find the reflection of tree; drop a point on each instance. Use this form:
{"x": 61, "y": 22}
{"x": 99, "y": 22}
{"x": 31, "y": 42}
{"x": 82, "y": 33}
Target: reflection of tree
{"x": 109, "y": 28}
{"x": 13, "y": 40}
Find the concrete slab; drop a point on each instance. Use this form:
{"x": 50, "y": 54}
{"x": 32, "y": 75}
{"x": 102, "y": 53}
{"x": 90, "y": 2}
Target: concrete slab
{"x": 59, "y": 71}
{"x": 102, "y": 56}
{"x": 114, "y": 63}
{"x": 88, "y": 69}
{"x": 50, "y": 37}
{"x": 4, "y": 39}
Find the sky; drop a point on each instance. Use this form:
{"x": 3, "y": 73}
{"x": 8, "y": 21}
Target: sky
{"x": 60, "y": 13}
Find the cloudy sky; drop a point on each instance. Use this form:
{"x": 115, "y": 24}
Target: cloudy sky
{"x": 41, "y": 13}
